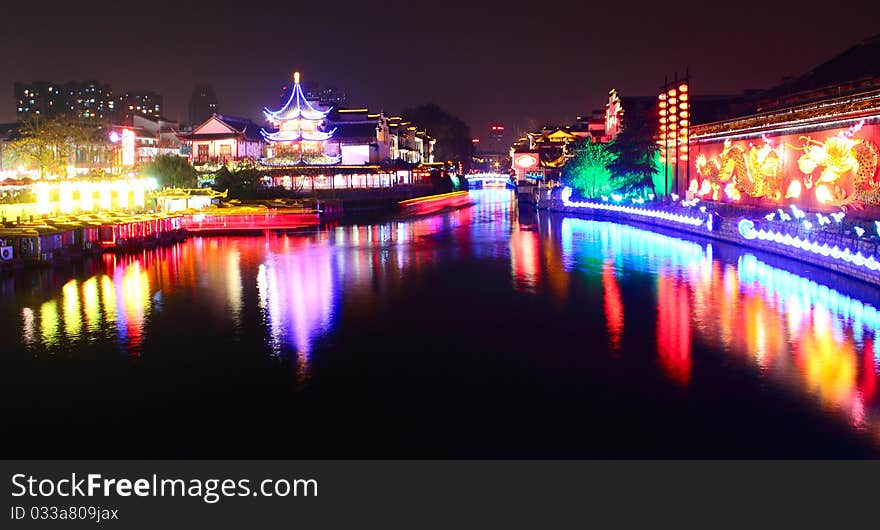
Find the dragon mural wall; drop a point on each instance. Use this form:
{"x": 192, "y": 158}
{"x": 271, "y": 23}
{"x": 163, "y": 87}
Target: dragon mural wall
{"x": 828, "y": 168}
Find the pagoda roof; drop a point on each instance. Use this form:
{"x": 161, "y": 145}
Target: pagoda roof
{"x": 296, "y": 107}
{"x": 557, "y": 135}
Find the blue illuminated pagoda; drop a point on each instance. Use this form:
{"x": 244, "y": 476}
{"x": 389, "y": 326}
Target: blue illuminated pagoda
{"x": 299, "y": 137}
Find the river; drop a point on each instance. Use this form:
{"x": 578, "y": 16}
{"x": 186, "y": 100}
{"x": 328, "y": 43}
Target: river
{"x": 489, "y": 331}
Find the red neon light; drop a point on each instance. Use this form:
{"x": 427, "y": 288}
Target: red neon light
{"x": 613, "y": 305}
{"x": 246, "y": 222}
{"x": 674, "y": 328}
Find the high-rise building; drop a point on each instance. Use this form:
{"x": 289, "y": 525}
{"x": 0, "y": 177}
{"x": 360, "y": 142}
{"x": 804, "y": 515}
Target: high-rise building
{"x": 202, "y": 104}
{"x": 326, "y": 96}
{"x": 89, "y": 99}
{"x": 86, "y": 99}
{"x": 496, "y": 132}
{"x": 138, "y": 103}
{"x": 38, "y": 98}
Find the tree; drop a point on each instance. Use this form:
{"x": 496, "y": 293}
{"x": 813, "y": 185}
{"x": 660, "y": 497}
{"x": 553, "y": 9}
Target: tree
{"x": 588, "y": 171}
{"x": 172, "y": 171}
{"x": 452, "y": 134}
{"x": 244, "y": 182}
{"x": 634, "y": 148}
{"x": 52, "y": 144}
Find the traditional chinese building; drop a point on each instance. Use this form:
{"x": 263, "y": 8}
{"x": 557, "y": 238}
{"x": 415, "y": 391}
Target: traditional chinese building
{"x": 316, "y": 146}
{"x": 360, "y": 137}
{"x": 309, "y": 145}
{"x": 223, "y": 139}
{"x": 301, "y": 135}
{"x": 540, "y": 155}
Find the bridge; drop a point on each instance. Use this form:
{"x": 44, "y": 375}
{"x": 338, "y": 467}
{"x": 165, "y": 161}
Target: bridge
{"x": 486, "y": 180}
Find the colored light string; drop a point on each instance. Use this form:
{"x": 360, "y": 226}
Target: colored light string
{"x": 747, "y": 230}
{"x": 643, "y": 212}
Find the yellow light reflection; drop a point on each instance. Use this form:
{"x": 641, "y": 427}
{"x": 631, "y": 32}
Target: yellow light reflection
{"x": 136, "y": 301}
{"x": 92, "y": 303}
{"x": 828, "y": 364}
{"x": 49, "y": 322}
{"x": 108, "y": 298}
{"x": 71, "y": 308}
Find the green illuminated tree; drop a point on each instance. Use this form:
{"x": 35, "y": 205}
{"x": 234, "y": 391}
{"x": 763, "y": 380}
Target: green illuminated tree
{"x": 171, "y": 171}
{"x": 634, "y": 166}
{"x": 588, "y": 171}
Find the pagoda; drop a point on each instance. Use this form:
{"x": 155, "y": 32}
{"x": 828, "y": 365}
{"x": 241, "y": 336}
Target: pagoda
{"x": 298, "y": 137}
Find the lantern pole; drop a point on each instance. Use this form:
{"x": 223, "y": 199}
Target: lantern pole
{"x": 687, "y": 141}
{"x": 666, "y": 141}
{"x": 675, "y": 150}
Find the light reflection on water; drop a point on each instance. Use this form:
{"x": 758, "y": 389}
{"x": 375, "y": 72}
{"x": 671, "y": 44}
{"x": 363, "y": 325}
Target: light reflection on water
{"x": 297, "y": 293}
{"x": 117, "y": 300}
{"x": 678, "y": 299}
{"x": 797, "y": 333}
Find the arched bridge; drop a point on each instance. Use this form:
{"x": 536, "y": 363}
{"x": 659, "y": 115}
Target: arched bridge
{"x": 480, "y": 180}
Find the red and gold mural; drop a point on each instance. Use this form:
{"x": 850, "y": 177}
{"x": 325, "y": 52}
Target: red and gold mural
{"x": 829, "y": 168}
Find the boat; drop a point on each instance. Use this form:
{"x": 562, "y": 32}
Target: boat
{"x": 19, "y": 247}
{"x": 434, "y": 203}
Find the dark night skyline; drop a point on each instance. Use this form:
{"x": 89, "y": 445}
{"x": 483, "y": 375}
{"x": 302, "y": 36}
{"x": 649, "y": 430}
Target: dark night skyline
{"x": 484, "y": 62}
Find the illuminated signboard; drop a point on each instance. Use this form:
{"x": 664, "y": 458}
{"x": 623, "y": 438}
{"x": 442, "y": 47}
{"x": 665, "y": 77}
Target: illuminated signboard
{"x": 526, "y": 161}
{"x": 127, "y": 147}
{"x": 613, "y": 112}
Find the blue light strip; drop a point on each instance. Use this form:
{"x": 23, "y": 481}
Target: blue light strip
{"x": 747, "y": 231}
{"x": 643, "y": 212}
{"x": 785, "y": 286}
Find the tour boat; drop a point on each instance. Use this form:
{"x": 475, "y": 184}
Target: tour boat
{"x": 434, "y": 203}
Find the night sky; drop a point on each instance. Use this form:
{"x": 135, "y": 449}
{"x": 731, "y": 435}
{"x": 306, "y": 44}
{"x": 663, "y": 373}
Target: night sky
{"x": 518, "y": 64}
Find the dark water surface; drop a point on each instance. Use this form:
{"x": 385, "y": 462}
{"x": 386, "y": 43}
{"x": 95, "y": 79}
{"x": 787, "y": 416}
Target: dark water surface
{"x": 484, "y": 332}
